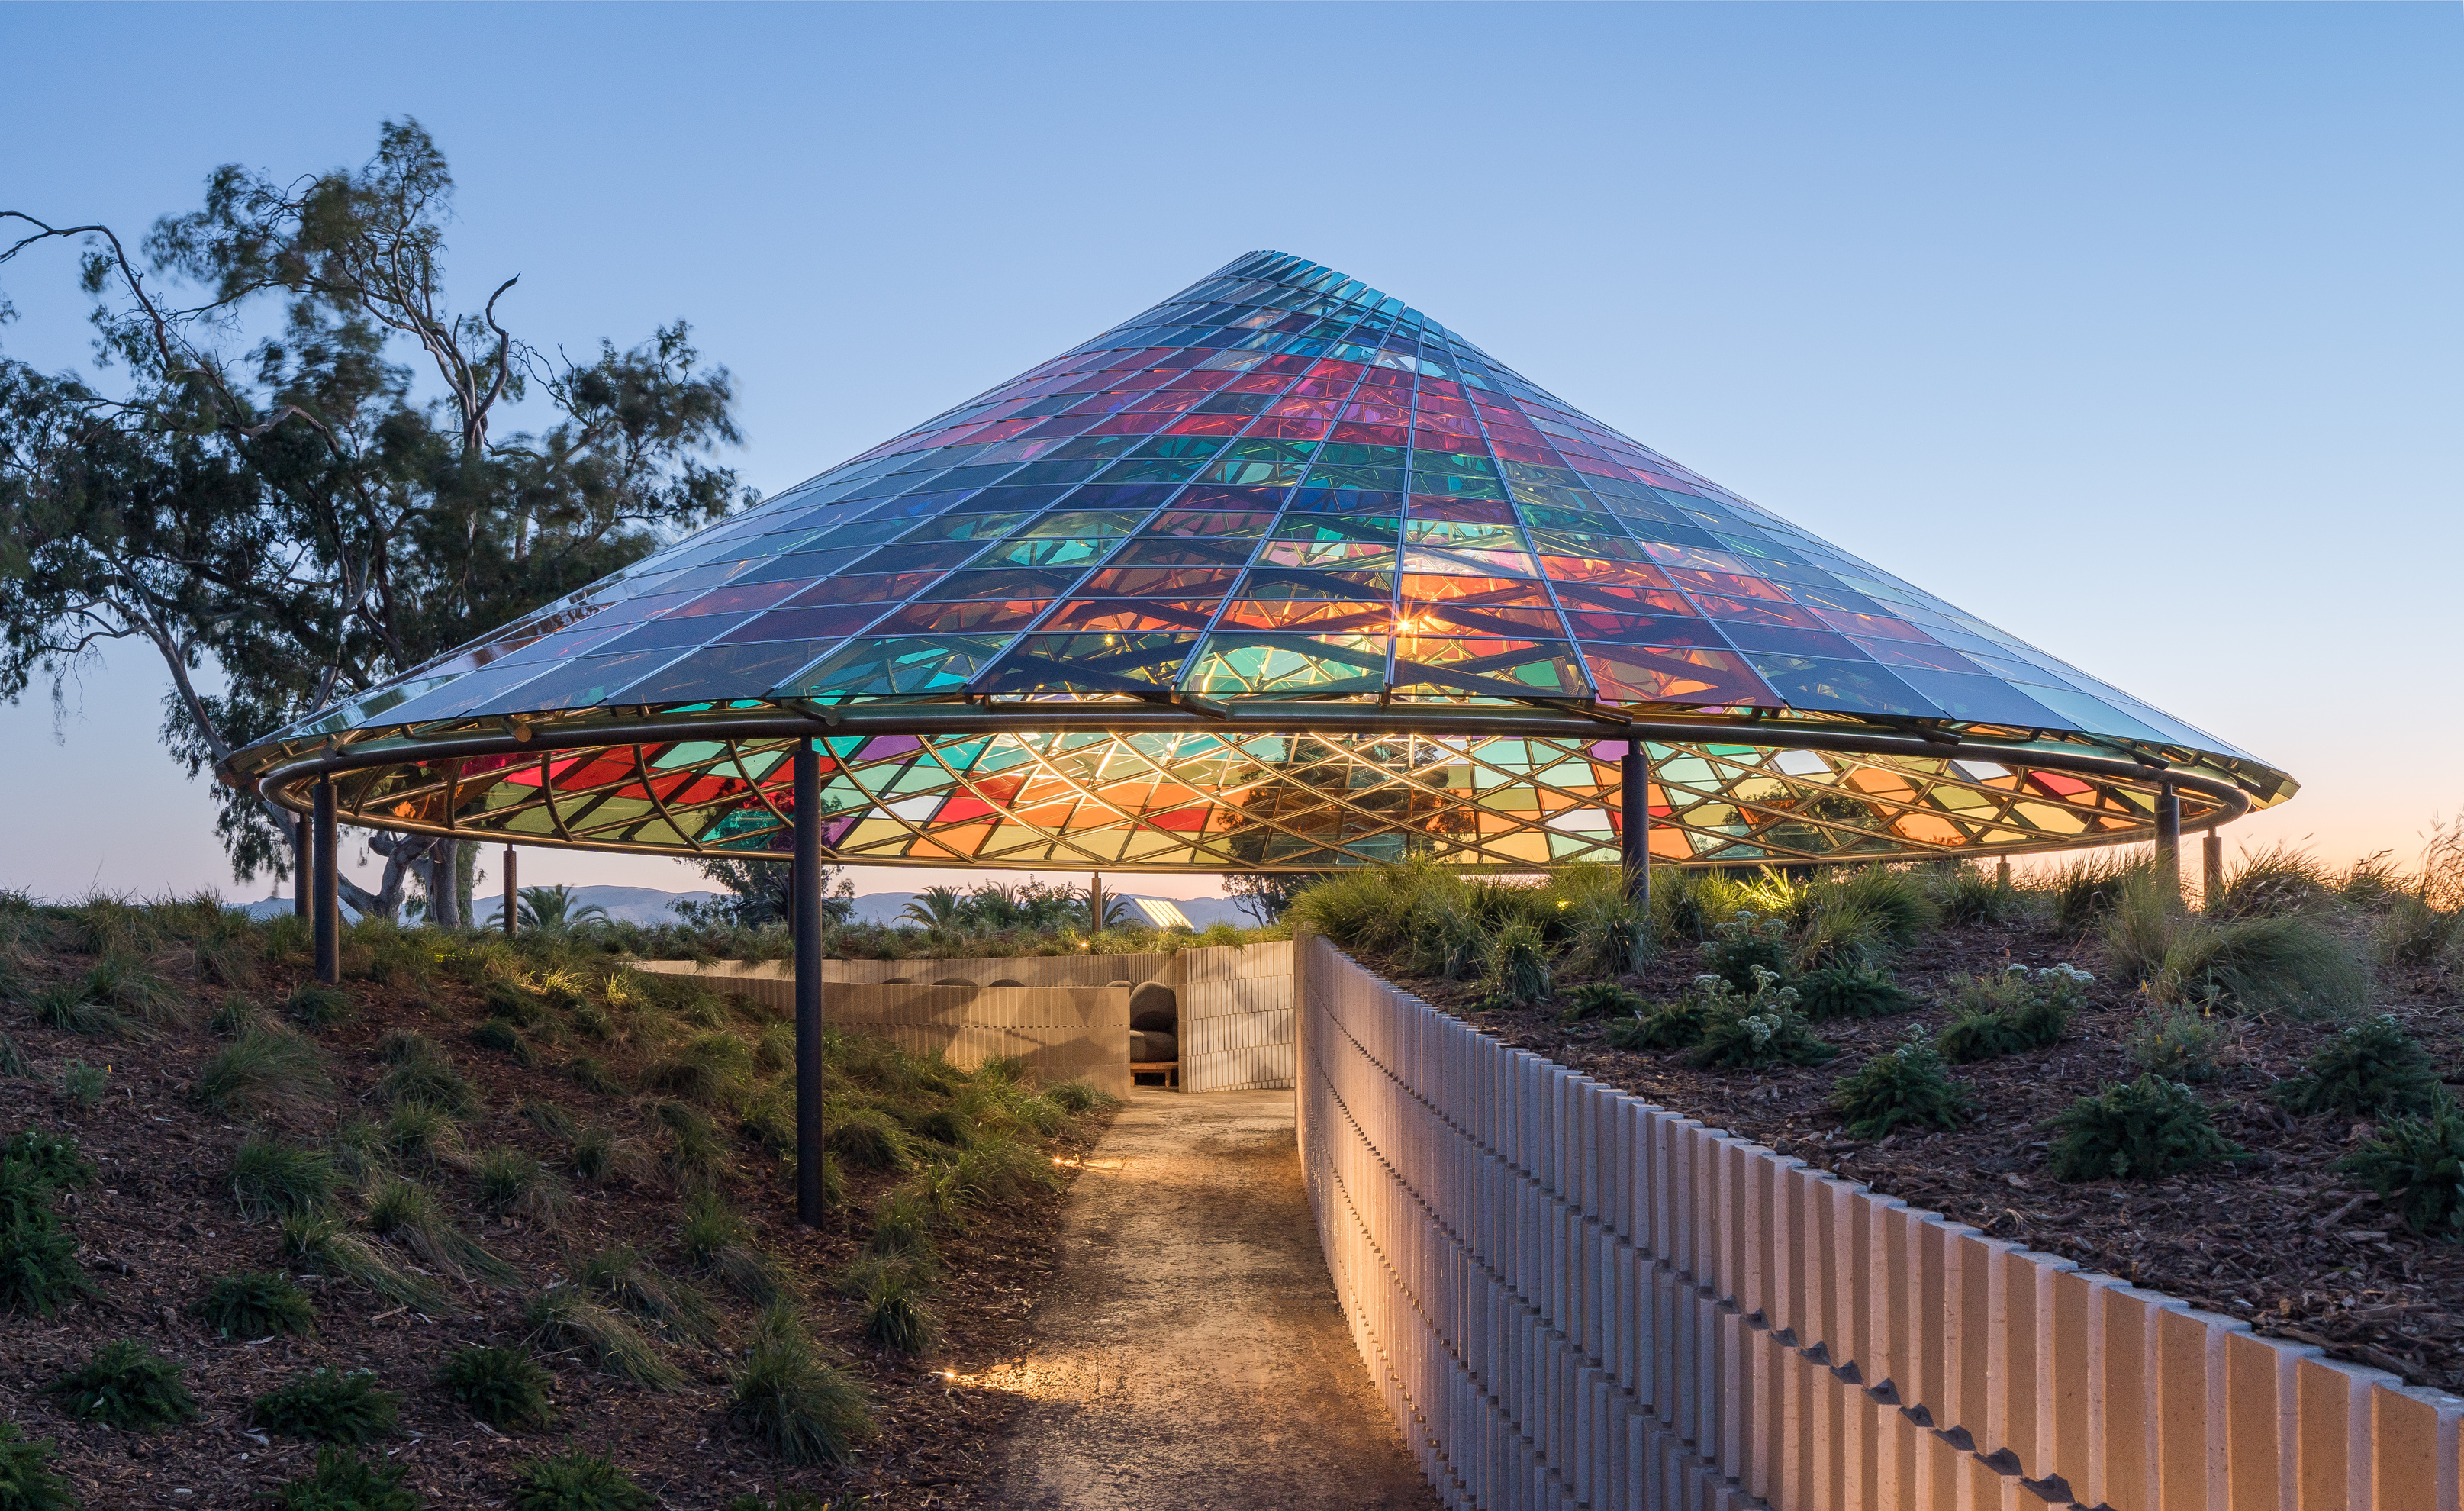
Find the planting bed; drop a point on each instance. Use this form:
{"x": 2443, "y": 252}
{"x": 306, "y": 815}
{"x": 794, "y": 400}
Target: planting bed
{"x": 2280, "y": 1239}
{"x": 161, "y": 1222}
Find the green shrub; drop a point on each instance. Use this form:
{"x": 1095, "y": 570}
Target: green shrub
{"x": 2173, "y": 1044}
{"x": 39, "y": 1268}
{"x": 330, "y": 1406}
{"x": 1600, "y": 999}
{"x": 2418, "y": 1163}
{"x": 514, "y": 1183}
{"x": 1842, "y": 990}
{"x": 14, "y": 1063}
{"x": 2371, "y": 1069}
{"x": 270, "y": 1178}
{"x": 2413, "y": 934}
{"x": 1745, "y": 943}
{"x": 1742, "y": 1038}
{"x": 341, "y": 1480}
{"x": 802, "y": 1500}
{"x": 53, "y": 1158}
{"x": 83, "y": 1085}
{"x": 576, "y": 1482}
{"x": 2011, "y": 1012}
{"x": 264, "y": 1070}
{"x": 1906, "y": 1085}
{"x": 562, "y": 1317}
{"x": 804, "y": 1410}
{"x": 27, "y": 1482}
{"x": 1670, "y": 1025}
{"x": 2136, "y": 1131}
{"x": 255, "y": 1304}
{"x": 126, "y": 1385}
{"x": 502, "y": 1386}
{"x": 320, "y": 1006}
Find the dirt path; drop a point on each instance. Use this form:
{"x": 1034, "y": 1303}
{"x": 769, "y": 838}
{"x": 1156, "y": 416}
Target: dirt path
{"x": 1192, "y": 1354}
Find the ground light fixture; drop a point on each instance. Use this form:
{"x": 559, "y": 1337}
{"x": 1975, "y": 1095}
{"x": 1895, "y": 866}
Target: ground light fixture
{"x": 1279, "y": 575}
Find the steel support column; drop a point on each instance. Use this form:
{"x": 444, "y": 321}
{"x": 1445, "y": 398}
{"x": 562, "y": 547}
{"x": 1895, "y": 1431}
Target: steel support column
{"x": 2169, "y": 833}
{"x": 1634, "y": 833}
{"x": 2211, "y": 867}
{"x": 303, "y": 868}
{"x": 329, "y": 893}
{"x": 513, "y": 913}
{"x": 807, "y": 908}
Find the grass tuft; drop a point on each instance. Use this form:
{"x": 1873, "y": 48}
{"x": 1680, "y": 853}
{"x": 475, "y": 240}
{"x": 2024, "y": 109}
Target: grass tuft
{"x": 271, "y": 1179}
{"x": 321, "y": 1243}
{"x": 2173, "y": 1044}
{"x": 513, "y": 1183}
{"x": 406, "y": 1213}
{"x": 562, "y": 1317}
{"x": 266, "y": 1070}
{"x": 621, "y": 1277}
{"x": 320, "y": 1006}
{"x": 804, "y": 1410}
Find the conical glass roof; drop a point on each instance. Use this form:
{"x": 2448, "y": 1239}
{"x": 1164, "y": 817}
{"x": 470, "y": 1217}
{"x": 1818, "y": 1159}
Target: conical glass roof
{"x": 1280, "y": 573}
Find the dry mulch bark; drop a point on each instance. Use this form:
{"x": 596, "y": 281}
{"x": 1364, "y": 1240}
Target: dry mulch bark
{"x": 2279, "y": 1241}
{"x": 161, "y": 1224}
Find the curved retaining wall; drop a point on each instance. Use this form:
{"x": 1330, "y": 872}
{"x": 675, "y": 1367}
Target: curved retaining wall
{"x": 1572, "y": 1298}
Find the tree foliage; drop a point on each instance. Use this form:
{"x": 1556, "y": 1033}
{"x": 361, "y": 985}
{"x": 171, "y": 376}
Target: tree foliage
{"x": 304, "y": 478}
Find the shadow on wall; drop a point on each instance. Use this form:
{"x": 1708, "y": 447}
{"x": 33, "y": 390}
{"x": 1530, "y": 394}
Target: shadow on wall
{"x": 1222, "y": 1014}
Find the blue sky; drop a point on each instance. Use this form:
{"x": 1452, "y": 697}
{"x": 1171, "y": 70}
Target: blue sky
{"x": 2134, "y": 330}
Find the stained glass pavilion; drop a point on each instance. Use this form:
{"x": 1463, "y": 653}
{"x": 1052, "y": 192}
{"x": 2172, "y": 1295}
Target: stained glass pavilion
{"x": 1280, "y": 574}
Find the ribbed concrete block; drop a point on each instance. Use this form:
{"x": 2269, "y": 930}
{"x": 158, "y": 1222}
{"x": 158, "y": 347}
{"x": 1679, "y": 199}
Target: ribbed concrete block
{"x": 2190, "y": 1409}
{"x": 2261, "y": 1422}
{"x": 2413, "y": 1448}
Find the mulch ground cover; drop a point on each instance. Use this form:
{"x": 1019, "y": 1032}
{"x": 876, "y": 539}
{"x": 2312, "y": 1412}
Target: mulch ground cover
{"x": 161, "y": 1223}
{"x": 2280, "y": 1239}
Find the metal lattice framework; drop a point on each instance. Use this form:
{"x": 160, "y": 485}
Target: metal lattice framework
{"x": 1279, "y": 575}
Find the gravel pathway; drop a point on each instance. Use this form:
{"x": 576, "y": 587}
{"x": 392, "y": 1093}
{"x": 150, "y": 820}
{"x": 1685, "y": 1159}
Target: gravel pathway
{"x": 1190, "y": 1353}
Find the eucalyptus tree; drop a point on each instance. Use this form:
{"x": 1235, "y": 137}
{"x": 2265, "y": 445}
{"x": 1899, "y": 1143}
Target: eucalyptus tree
{"x": 303, "y": 471}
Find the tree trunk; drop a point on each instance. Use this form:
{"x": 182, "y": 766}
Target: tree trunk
{"x": 443, "y": 879}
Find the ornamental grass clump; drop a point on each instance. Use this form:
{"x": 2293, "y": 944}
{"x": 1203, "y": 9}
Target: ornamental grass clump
{"x": 2373, "y": 1069}
{"x": 1758, "y": 1032}
{"x": 562, "y": 1317}
{"x": 718, "y": 1245}
{"x": 270, "y": 1178}
{"x": 622, "y": 1278}
{"x": 405, "y": 1212}
{"x": 1973, "y": 896}
{"x": 1906, "y": 1086}
{"x": 126, "y": 1385}
{"x": 266, "y": 1070}
{"x": 2136, "y": 1131}
{"x": 867, "y": 1138}
{"x": 1517, "y": 964}
{"x": 804, "y": 1410}
{"x": 514, "y": 1184}
{"x": 2417, "y": 1164}
{"x": 255, "y": 1304}
{"x": 899, "y": 1311}
{"x": 419, "y": 1072}
{"x": 329, "y": 1406}
{"x": 318, "y": 1006}
{"x": 321, "y": 1243}
{"x": 502, "y": 1386}
{"x": 2415, "y": 935}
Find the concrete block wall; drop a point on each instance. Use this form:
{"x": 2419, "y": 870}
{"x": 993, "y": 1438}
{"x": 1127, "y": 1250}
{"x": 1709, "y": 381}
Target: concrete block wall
{"x": 1236, "y": 1016}
{"x": 1570, "y": 1298}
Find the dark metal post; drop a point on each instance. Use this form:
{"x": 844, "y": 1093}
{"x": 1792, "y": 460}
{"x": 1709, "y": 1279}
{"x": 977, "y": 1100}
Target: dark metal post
{"x": 1095, "y": 901}
{"x": 2211, "y": 867}
{"x": 2169, "y": 833}
{"x": 513, "y": 895}
{"x": 302, "y": 869}
{"x": 808, "y": 908}
{"x": 329, "y": 892}
{"x": 2002, "y": 873}
{"x": 1634, "y": 773}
